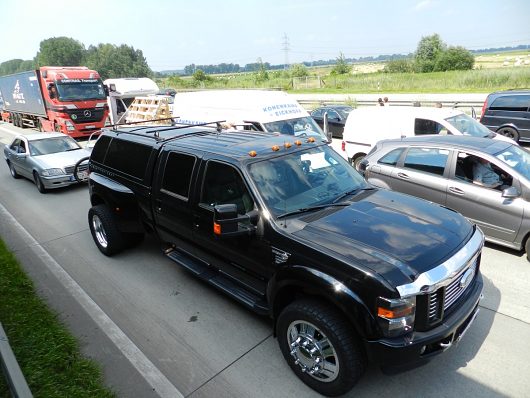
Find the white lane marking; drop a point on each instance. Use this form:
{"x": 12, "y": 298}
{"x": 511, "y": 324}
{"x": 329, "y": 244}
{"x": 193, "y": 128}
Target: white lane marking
{"x": 160, "y": 384}
{"x": 13, "y": 133}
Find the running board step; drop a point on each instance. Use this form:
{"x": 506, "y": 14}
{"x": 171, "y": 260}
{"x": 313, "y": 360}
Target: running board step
{"x": 222, "y": 282}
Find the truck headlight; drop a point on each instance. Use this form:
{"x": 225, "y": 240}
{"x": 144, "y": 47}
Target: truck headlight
{"x": 396, "y": 316}
{"x": 52, "y": 172}
{"x": 69, "y": 125}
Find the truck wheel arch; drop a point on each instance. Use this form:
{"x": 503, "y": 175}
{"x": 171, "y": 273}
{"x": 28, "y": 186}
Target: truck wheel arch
{"x": 300, "y": 281}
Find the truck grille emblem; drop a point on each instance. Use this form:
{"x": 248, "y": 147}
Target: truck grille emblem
{"x": 87, "y": 113}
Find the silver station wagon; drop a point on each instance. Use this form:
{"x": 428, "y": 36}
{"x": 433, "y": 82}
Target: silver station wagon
{"x": 488, "y": 181}
{"x": 48, "y": 159}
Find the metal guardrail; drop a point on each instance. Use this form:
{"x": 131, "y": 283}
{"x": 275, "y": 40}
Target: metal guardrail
{"x": 469, "y": 107}
{"x": 15, "y": 379}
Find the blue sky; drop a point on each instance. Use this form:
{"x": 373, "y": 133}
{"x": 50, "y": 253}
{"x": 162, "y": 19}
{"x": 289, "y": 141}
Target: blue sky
{"x": 173, "y": 34}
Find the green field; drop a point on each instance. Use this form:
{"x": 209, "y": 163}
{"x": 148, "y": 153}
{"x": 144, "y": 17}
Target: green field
{"x": 46, "y": 352}
{"x": 495, "y": 71}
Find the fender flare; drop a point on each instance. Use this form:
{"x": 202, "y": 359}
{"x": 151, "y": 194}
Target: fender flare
{"x": 298, "y": 278}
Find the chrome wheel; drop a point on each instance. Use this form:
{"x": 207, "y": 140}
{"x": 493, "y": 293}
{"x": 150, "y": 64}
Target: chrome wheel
{"x": 312, "y": 351}
{"x": 99, "y": 231}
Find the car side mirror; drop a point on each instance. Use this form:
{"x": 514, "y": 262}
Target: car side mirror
{"x": 226, "y": 221}
{"x": 510, "y": 193}
{"x": 363, "y": 164}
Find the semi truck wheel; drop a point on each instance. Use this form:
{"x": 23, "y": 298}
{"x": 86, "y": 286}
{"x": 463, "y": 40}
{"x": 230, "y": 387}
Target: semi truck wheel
{"x": 108, "y": 238}
{"x": 320, "y": 347}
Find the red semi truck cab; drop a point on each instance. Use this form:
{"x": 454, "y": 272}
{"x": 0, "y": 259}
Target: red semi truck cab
{"x": 75, "y": 100}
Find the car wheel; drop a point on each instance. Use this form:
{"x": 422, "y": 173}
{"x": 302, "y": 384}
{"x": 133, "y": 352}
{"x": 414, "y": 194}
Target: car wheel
{"x": 39, "y": 183}
{"x": 356, "y": 161}
{"x": 527, "y": 248}
{"x": 320, "y": 347}
{"x": 12, "y": 170}
{"x": 108, "y": 238}
{"x": 509, "y": 132}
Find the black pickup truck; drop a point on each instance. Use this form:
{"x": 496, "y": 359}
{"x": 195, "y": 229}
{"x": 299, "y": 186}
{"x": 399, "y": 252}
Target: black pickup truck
{"x": 348, "y": 272}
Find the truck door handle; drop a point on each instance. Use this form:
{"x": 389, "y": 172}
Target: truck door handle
{"x": 458, "y": 191}
{"x": 404, "y": 176}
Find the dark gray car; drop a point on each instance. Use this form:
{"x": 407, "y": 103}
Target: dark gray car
{"x": 48, "y": 159}
{"x": 449, "y": 170}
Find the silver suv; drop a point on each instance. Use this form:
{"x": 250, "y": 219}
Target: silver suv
{"x": 488, "y": 181}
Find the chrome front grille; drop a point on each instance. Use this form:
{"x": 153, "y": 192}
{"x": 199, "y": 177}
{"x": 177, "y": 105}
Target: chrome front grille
{"x": 450, "y": 294}
{"x": 70, "y": 169}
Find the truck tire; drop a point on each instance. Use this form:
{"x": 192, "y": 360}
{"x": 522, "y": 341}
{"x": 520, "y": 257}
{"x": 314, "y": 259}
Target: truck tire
{"x": 108, "y": 238}
{"x": 76, "y": 170}
{"x": 39, "y": 183}
{"x": 320, "y": 347}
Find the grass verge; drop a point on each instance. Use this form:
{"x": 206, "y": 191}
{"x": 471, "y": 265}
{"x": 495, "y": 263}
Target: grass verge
{"x": 46, "y": 352}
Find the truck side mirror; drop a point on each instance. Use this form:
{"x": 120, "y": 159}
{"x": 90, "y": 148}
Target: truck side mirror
{"x": 226, "y": 221}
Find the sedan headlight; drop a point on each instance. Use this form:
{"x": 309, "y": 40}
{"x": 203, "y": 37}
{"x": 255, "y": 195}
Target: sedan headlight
{"x": 396, "y": 316}
{"x": 52, "y": 172}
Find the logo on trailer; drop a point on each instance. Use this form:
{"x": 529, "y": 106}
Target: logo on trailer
{"x": 18, "y": 96}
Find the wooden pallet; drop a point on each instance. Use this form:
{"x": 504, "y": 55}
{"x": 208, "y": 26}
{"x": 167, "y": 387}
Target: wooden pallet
{"x": 149, "y": 110}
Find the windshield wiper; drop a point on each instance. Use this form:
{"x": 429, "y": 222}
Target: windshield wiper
{"x": 351, "y": 192}
{"x": 72, "y": 149}
{"x": 311, "y": 208}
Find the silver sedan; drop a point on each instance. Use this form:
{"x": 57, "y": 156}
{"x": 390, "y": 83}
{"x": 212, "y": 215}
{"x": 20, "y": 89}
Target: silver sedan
{"x": 48, "y": 159}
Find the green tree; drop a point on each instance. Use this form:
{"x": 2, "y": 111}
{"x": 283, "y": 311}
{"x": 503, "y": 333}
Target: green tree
{"x": 342, "y": 67}
{"x": 298, "y": 70}
{"x": 399, "y": 66}
{"x": 113, "y": 61}
{"x": 454, "y": 58}
{"x": 429, "y": 49}
{"x": 60, "y": 51}
{"x": 200, "y": 76}
{"x": 9, "y": 67}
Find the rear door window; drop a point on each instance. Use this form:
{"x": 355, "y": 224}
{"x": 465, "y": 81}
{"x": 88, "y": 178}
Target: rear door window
{"x": 177, "y": 174}
{"x": 429, "y": 160}
{"x": 392, "y": 157}
{"x": 511, "y": 103}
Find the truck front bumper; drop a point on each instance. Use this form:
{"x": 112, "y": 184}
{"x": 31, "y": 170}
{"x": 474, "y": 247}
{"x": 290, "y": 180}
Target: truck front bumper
{"x": 417, "y": 348}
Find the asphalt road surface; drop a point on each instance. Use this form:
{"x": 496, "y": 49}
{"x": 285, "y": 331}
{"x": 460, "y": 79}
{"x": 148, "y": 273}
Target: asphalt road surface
{"x": 158, "y": 331}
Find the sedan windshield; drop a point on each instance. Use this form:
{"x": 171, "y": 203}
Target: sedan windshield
{"x": 469, "y": 126}
{"x": 517, "y": 158}
{"x": 305, "y": 179}
{"x": 89, "y": 89}
{"x": 299, "y": 127}
{"x": 48, "y": 146}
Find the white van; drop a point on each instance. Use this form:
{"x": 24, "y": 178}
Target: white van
{"x": 365, "y": 126}
{"x": 261, "y": 110}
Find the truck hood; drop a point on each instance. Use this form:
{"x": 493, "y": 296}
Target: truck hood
{"x": 393, "y": 234}
{"x": 61, "y": 159}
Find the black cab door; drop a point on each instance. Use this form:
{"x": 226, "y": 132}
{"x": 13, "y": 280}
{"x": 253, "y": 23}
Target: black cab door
{"x": 245, "y": 258}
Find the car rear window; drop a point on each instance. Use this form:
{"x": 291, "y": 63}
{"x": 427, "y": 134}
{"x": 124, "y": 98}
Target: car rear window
{"x": 511, "y": 103}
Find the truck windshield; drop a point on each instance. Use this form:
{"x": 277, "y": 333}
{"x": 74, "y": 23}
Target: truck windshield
{"x": 48, "y": 146}
{"x": 300, "y": 127}
{"x": 304, "y": 179}
{"x": 468, "y": 126}
{"x": 81, "y": 91}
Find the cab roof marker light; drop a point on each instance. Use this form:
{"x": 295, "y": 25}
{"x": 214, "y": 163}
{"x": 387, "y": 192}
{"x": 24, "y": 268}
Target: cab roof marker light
{"x": 311, "y": 139}
{"x": 298, "y": 142}
{"x": 275, "y": 148}
{"x": 252, "y": 154}
{"x": 287, "y": 145}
